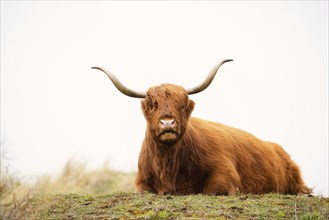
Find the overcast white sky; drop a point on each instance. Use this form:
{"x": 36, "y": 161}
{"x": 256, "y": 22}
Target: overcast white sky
{"x": 53, "y": 106}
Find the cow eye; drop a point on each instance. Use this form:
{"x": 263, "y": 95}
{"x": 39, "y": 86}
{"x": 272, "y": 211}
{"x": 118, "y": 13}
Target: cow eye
{"x": 153, "y": 105}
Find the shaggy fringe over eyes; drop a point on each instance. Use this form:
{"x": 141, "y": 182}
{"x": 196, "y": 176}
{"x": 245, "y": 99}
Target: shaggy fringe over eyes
{"x": 158, "y": 95}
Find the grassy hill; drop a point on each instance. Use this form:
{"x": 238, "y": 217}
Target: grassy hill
{"x": 150, "y": 206}
{"x": 79, "y": 193}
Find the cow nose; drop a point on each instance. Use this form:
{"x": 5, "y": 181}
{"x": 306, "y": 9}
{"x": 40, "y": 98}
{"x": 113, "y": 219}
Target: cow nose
{"x": 167, "y": 123}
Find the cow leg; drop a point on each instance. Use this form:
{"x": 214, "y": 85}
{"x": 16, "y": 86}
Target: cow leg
{"x": 144, "y": 188}
{"x": 143, "y": 184}
{"x": 221, "y": 184}
{"x": 296, "y": 184}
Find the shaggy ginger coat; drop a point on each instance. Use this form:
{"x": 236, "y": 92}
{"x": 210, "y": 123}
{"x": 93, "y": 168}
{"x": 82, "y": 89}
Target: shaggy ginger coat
{"x": 208, "y": 157}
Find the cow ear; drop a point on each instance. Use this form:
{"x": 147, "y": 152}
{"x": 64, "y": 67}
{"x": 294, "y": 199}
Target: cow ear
{"x": 190, "y": 107}
{"x": 144, "y": 107}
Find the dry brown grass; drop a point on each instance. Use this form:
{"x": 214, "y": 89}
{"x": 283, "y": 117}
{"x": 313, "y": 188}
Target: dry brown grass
{"x": 74, "y": 178}
{"x": 11, "y": 187}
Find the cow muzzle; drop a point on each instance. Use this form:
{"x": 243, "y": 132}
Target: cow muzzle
{"x": 168, "y": 130}
{"x": 167, "y": 123}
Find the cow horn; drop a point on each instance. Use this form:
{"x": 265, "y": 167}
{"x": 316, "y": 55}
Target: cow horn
{"x": 126, "y": 91}
{"x": 208, "y": 80}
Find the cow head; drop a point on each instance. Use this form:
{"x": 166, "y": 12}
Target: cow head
{"x": 167, "y": 107}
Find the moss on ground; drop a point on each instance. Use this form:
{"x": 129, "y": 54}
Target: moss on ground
{"x": 150, "y": 206}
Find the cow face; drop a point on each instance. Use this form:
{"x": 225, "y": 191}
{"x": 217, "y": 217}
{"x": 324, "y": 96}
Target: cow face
{"x": 167, "y": 109}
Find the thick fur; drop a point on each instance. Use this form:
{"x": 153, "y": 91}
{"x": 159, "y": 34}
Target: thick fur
{"x": 208, "y": 157}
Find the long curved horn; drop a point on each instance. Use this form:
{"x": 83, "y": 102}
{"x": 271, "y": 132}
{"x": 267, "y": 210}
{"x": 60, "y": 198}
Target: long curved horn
{"x": 126, "y": 91}
{"x": 208, "y": 80}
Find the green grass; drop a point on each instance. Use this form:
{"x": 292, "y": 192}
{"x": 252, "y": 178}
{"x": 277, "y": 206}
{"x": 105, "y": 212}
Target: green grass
{"x": 150, "y": 206}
